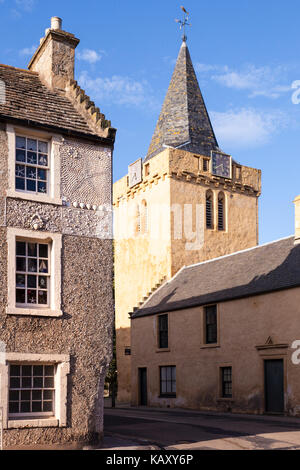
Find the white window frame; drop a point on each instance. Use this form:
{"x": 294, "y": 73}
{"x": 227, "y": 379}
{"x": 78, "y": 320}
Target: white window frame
{"x": 55, "y": 245}
{"x": 53, "y": 182}
{"x": 27, "y": 273}
{"x": 62, "y": 362}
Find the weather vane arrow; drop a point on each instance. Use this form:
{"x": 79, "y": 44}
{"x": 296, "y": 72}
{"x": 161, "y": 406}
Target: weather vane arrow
{"x": 183, "y": 23}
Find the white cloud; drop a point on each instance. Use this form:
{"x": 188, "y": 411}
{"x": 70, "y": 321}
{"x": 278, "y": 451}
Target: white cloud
{"x": 119, "y": 89}
{"x": 257, "y": 81}
{"x": 247, "y": 127}
{"x": 28, "y": 51}
{"x": 89, "y": 55}
{"x": 26, "y": 5}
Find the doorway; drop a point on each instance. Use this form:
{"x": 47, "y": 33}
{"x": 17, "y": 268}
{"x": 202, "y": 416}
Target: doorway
{"x": 274, "y": 386}
{"x": 143, "y": 400}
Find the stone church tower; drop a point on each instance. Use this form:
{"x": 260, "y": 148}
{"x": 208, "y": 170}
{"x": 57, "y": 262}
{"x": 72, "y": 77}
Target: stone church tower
{"x": 186, "y": 202}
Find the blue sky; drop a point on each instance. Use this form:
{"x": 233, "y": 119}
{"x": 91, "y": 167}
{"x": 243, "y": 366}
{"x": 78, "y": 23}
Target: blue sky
{"x": 246, "y": 56}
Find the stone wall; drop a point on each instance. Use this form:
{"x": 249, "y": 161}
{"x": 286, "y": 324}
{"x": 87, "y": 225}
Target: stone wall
{"x": 85, "y": 330}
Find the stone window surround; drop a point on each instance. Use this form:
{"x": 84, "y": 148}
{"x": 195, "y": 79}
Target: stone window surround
{"x": 63, "y": 369}
{"x": 55, "y": 241}
{"x": 53, "y": 195}
{"x": 203, "y": 344}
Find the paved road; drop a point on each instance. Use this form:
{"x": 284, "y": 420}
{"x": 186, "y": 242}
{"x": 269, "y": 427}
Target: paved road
{"x": 181, "y": 429}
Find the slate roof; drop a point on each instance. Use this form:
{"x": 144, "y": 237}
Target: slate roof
{"x": 266, "y": 268}
{"x": 184, "y": 117}
{"x": 27, "y": 99}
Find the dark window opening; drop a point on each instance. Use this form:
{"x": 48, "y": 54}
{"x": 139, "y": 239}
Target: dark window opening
{"x": 209, "y": 210}
{"x": 221, "y": 212}
{"x": 226, "y": 382}
{"x": 163, "y": 339}
{"x": 211, "y": 332}
{"x": 205, "y": 164}
{"x": 168, "y": 381}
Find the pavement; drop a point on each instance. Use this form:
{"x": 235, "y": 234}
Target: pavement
{"x": 144, "y": 428}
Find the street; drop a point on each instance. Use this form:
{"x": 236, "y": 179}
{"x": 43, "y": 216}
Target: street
{"x": 170, "y": 429}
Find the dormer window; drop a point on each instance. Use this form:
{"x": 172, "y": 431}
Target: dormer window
{"x": 32, "y": 165}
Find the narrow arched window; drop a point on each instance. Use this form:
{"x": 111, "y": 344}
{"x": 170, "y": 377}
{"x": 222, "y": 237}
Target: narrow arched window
{"x": 209, "y": 210}
{"x": 138, "y": 219}
{"x": 144, "y": 217}
{"x": 221, "y": 211}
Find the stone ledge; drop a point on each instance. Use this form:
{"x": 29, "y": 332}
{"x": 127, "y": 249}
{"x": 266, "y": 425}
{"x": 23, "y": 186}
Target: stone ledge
{"x": 32, "y": 423}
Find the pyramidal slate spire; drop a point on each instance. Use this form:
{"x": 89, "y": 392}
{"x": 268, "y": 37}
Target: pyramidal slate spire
{"x": 184, "y": 121}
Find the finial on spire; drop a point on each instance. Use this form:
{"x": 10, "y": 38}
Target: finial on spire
{"x": 183, "y": 23}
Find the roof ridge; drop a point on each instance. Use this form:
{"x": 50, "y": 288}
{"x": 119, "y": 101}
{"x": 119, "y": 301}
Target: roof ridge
{"x": 19, "y": 69}
{"x": 238, "y": 252}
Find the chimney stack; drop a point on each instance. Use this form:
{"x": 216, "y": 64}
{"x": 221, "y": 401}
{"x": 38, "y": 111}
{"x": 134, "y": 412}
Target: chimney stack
{"x": 54, "y": 59}
{"x": 297, "y": 219}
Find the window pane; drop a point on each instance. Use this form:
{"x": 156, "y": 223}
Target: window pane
{"x": 14, "y": 407}
{"x": 25, "y": 407}
{"x": 32, "y": 249}
{"x": 20, "y": 171}
{"x": 15, "y": 382}
{"x": 21, "y": 248}
{"x": 38, "y": 382}
{"x": 49, "y": 382}
{"x": 26, "y": 371}
{"x": 37, "y": 394}
{"x": 32, "y": 265}
{"x": 37, "y": 406}
{"x": 26, "y": 382}
{"x": 42, "y": 297}
{"x": 43, "y": 266}
{"x": 47, "y": 394}
{"x": 20, "y": 184}
{"x": 42, "y": 282}
{"x": 20, "y": 142}
{"x": 31, "y": 281}
{"x": 43, "y": 160}
{"x": 31, "y": 172}
{"x": 43, "y": 147}
{"x": 42, "y": 187}
{"x": 38, "y": 371}
{"x": 15, "y": 371}
{"x": 31, "y": 296}
{"x": 43, "y": 251}
{"x": 20, "y": 280}
{"x": 31, "y": 145}
{"x": 25, "y": 395}
{"x": 163, "y": 387}
{"x": 30, "y": 185}
{"x": 31, "y": 158}
{"x": 14, "y": 395}
{"x": 47, "y": 406}
{"x": 21, "y": 264}
{"x": 49, "y": 371}
{"x": 42, "y": 175}
{"x": 163, "y": 373}
{"x": 20, "y": 155}
{"x": 20, "y": 296}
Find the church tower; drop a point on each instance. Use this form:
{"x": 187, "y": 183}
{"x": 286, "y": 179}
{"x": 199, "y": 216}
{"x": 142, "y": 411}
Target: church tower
{"x": 186, "y": 202}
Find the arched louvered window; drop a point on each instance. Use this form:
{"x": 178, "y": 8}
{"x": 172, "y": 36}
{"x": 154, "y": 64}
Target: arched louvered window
{"x": 209, "y": 210}
{"x": 221, "y": 211}
{"x": 144, "y": 217}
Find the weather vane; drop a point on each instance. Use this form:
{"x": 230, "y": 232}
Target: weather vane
{"x": 183, "y": 23}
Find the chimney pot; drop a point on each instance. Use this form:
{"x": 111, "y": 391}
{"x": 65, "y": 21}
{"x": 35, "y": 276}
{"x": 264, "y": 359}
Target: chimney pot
{"x": 56, "y": 22}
